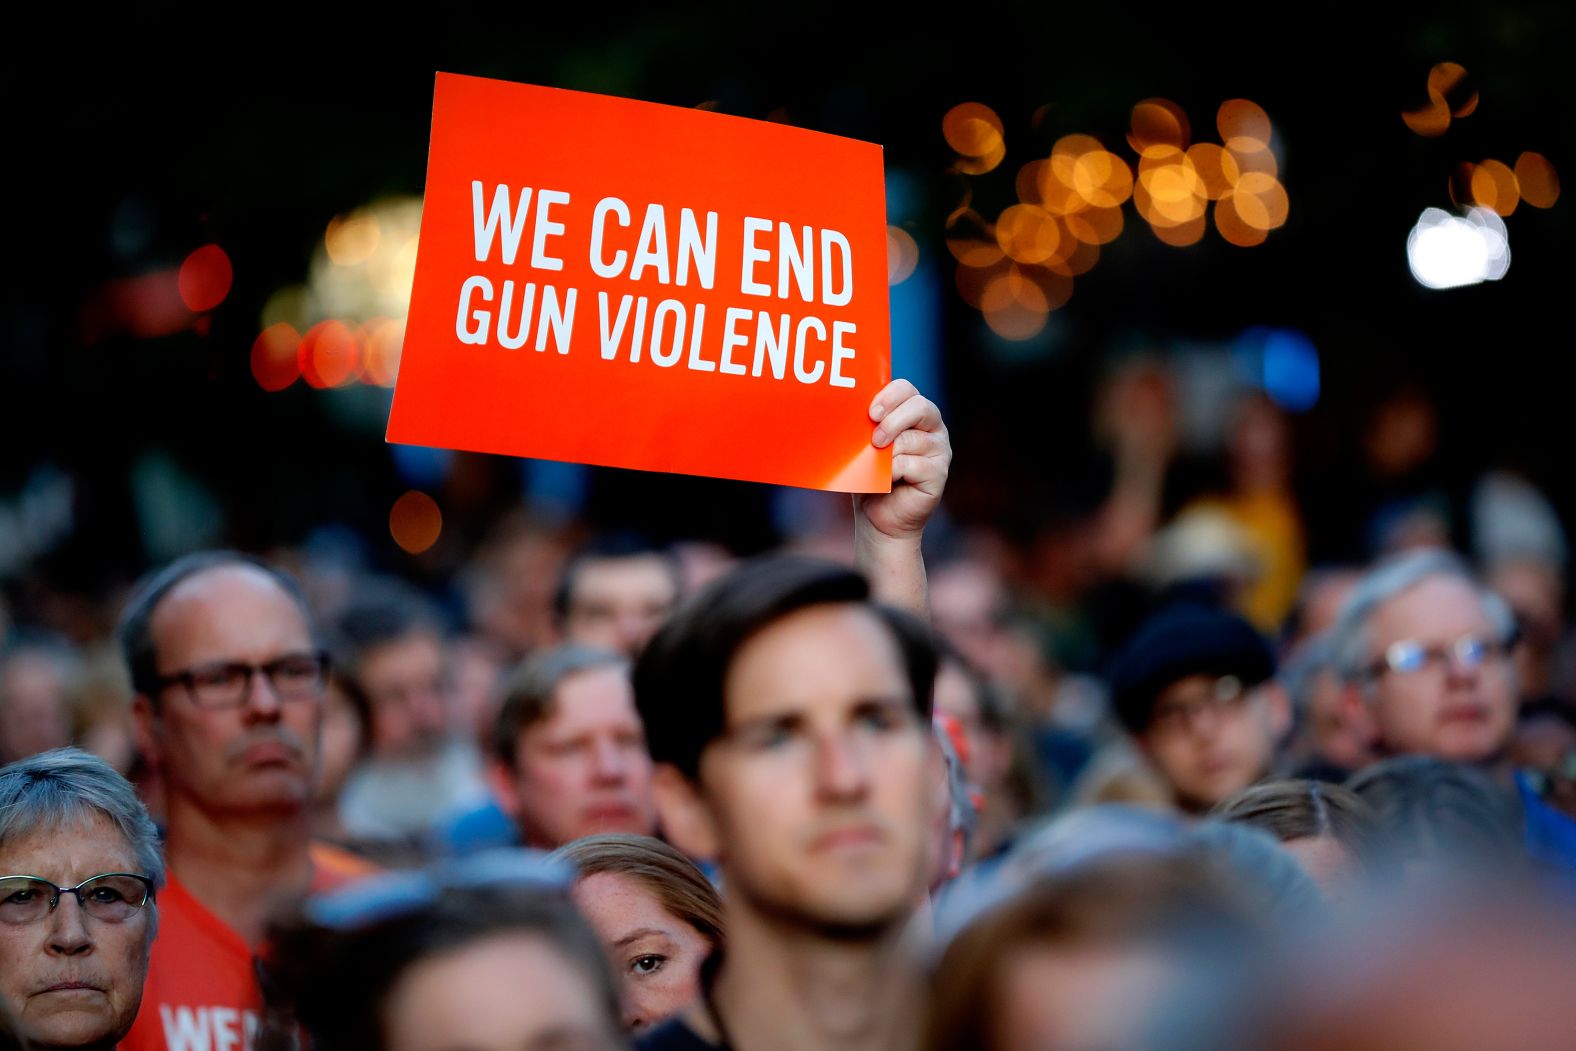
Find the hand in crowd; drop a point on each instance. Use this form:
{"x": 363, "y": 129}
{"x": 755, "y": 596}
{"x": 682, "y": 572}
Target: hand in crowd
{"x": 911, "y": 425}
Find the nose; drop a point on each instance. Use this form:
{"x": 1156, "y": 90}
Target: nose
{"x": 841, "y": 771}
{"x": 68, "y": 933}
{"x": 609, "y": 760}
{"x": 261, "y": 700}
{"x": 1463, "y": 671}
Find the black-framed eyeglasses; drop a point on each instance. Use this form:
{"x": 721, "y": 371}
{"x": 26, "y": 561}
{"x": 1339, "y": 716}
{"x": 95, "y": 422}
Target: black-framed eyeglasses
{"x": 1409, "y": 655}
{"x": 1223, "y": 695}
{"x": 228, "y": 684}
{"x": 395, "y": 894}
{"x": 113, "y": 897}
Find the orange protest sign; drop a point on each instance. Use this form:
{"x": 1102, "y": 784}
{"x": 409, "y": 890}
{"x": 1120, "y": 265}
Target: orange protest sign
{"x": 615, "y": 282}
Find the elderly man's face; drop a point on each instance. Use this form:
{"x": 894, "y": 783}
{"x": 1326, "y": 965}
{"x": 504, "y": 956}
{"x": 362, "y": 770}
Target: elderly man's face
{"x": 70, "y": 979}
{"x": 1449, "y": 706}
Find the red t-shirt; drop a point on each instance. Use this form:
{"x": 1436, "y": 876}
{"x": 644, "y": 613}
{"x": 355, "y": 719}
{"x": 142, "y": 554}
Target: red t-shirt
{"x": 201, "y": 993}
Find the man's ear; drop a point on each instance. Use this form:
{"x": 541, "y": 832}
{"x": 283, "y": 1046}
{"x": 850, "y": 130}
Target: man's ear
{"x": 501, "y": 783}
{"x": 145, "y": 730}
{"x": 685, "y": 817}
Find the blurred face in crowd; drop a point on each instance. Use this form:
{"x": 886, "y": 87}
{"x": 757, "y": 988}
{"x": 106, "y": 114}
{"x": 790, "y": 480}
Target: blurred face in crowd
{"x": 1456, "y": 698}
{"x": 261, "y": 754}
{"x": 406, "y": 688}
{"x": 342, "y": 741}
{"x": 656, "y": 956}
{"x": 817, "y": 799}
{"x": 583, "y": 769}
{"x": 1077, "y": 997}
{"x": 68, "y": 979}
{"x": 619, "y": 603}
{"x": 968, "y": 606}
{"x": 1210, "y": 737}
{"x": 513, "y": 991}
{"x": 1333, "y": 734}
{"x": 35, "y": 714}
{"x": 989, "y": 754}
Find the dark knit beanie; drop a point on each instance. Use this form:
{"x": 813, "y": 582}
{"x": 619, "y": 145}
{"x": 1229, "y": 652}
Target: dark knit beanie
{"x": 1179, "y": 641}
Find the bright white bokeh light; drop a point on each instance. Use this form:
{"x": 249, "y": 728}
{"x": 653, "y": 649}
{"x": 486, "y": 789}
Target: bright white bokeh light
{"x": 1448, "y": 251}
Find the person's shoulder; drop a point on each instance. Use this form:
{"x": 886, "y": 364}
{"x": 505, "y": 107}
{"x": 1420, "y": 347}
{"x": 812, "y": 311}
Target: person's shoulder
{"x": 671, "y": 1035}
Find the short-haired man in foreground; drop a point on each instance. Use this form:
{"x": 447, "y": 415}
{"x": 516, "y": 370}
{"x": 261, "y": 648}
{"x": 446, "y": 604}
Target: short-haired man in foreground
{"x": 229, "y": 684}
{"x": 789, "y": 716}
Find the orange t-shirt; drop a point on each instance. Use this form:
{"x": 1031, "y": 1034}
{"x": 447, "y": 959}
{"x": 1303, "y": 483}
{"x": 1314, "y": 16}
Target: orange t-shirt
{"x": 201, "y": 993}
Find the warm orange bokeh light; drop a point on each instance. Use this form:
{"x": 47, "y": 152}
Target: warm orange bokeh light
{"x": 1261, "y": 161}
{"x": 1233, "y": 228}
{"x": 1451, "y": 84}
{"x": 971, "y": 240}
{"x": 1430, "y": 121}
{"x": 204, "y": 278}
{"x": 1095, "y": 225}
{"x": 1080, "y": 260}
{"x": 1183, "y": 234}
{"x": 415, "y": 522}
{"x": 1244, "y": 126}
{"x": 982, "y": 164}
{"x": 329, "y": 354}
{"x": 1017, "y": 302}
{"x": 352, "y": 239}
{"x": 1261, "y": 200}
{"x": 972, "y": 129}
{"x": 382, "y": 339}
{"x": 972, "y": 281}
{"x": 1027, "y": 182}
{"x": 274, "y": 357}
{"x": 1158, "y": 122}
{"x": 1217, "y": 168}
{"x": 1169, "y": 194}
{"x": 1027, "y": 233}
{"x": 1102, "y": 178}
{"x": 1539, "y": 182}
{"x": 1494, "y": 186}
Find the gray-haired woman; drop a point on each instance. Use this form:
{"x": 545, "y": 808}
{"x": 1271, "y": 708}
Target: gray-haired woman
{"x": 79, "y": 867}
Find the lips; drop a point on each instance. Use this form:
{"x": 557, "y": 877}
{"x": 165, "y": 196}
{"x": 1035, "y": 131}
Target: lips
{"x": 76, "y": 985}
{"x": 847, "y": 837}
{"x": 1465, "y": 713}
{"x": 269, "y": 752}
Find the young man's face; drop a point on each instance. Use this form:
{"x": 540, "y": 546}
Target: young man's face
{"x": 818, "y": 794}
{"x": 1211, "y": 737}
{"x": 584, "y": 769}
{"x": 619, "y": 603}
{"x": 1462, "y": 710}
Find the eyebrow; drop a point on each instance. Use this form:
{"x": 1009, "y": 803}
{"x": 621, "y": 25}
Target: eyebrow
{"x": 637, "y": 934}
{"x": 793, "y": 713}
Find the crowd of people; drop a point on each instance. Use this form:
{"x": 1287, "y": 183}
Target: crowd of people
{"x": 653, "y": 796}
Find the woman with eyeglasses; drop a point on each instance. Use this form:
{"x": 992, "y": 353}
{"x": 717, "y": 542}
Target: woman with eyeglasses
{"x": 79, "y": 867}
{"x": 486, "y": 953}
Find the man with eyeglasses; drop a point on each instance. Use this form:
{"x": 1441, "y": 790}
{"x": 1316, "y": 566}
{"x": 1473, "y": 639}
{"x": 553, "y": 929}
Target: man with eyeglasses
{"x": 1194, "y": 686}
{"x": 228, "y": 680}
{"x": 1425, "y": 651}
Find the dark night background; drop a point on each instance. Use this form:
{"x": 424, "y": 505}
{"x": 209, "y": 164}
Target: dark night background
{"x": 253, "y": 128}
